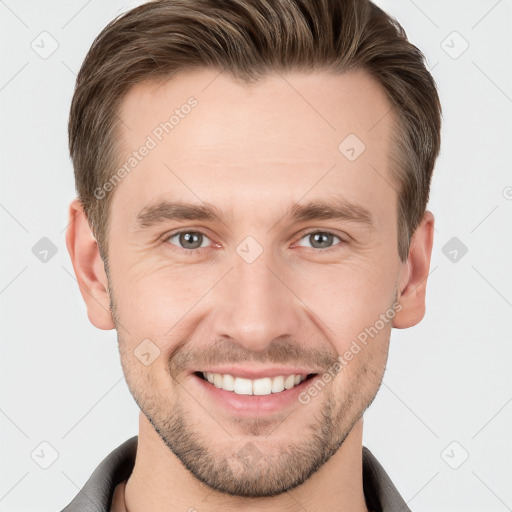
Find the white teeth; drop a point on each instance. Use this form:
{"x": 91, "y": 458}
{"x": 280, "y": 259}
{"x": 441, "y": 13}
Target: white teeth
{"x": 263, "y": 386}
{"x": 243, "y": 386}
{"x": 277, "y": 384}
{"x": 217, "y": 380}
{"x": 289, "y": 382}
{"x": 228, "y": 382}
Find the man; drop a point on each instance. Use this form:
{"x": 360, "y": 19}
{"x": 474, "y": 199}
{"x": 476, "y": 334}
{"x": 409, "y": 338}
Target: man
{"x": 251, "y": 218}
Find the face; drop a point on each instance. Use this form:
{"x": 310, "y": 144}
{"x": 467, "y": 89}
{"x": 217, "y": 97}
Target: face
{"x": 252, "y": 238}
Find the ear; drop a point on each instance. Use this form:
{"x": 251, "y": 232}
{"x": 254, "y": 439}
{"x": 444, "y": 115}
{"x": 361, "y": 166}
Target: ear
{"x": 414, "y": 274}
{"x": 89, "y": 267}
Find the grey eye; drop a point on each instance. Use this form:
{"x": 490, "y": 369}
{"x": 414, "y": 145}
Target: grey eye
{"x": 320, "y": 239}
{"x": 189, "y": 239}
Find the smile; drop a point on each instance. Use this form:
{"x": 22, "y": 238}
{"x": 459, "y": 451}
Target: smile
{"x": 262, "y": 386}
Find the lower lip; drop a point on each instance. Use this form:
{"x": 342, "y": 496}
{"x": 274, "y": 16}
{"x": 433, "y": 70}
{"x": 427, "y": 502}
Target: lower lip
{"x": 252, "y": 405}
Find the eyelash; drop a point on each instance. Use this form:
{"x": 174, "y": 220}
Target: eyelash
{"x": 192, "y": 252}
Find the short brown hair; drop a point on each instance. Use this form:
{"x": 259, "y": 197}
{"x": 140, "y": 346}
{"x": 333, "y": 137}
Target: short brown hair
{"x": 248, "y": 39}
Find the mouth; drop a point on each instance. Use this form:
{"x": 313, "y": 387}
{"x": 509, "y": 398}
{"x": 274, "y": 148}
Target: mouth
{"x": 254, "y": 387}
{"x": 239, "y": 399}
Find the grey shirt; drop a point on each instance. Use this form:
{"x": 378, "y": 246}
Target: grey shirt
{"x": 96, "y": 495}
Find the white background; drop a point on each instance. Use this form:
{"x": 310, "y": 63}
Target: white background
{"x": 448, "y": 379}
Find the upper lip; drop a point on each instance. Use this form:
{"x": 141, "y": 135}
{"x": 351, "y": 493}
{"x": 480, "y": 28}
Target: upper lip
{"x": 255, "y": 373}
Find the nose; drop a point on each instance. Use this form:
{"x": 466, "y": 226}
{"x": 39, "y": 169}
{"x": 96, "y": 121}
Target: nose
{"x": 255, "y": 304}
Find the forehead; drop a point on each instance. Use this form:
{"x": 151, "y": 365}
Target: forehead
{"x": 212, "y": 138}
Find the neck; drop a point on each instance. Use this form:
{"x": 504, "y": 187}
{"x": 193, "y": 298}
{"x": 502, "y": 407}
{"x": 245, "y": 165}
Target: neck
{"x": 159, "y": 482}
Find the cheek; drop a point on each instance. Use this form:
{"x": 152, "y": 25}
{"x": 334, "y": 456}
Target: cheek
{"x": 158, "y": 294}
{"x": 348, "y": 300}
{"x": 147, "y": 378}
{"x": 157, "y": 309}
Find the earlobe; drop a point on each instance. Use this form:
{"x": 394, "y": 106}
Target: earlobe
{"x": 89, "y": 268}
{"x": 414, "y": 275}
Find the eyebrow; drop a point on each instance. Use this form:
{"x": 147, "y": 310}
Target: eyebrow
{"x": 341, "y": 209}
{"x": 176, "y": 210}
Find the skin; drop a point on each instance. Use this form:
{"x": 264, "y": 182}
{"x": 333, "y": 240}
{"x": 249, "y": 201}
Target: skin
{"x": 252, "y": 152}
